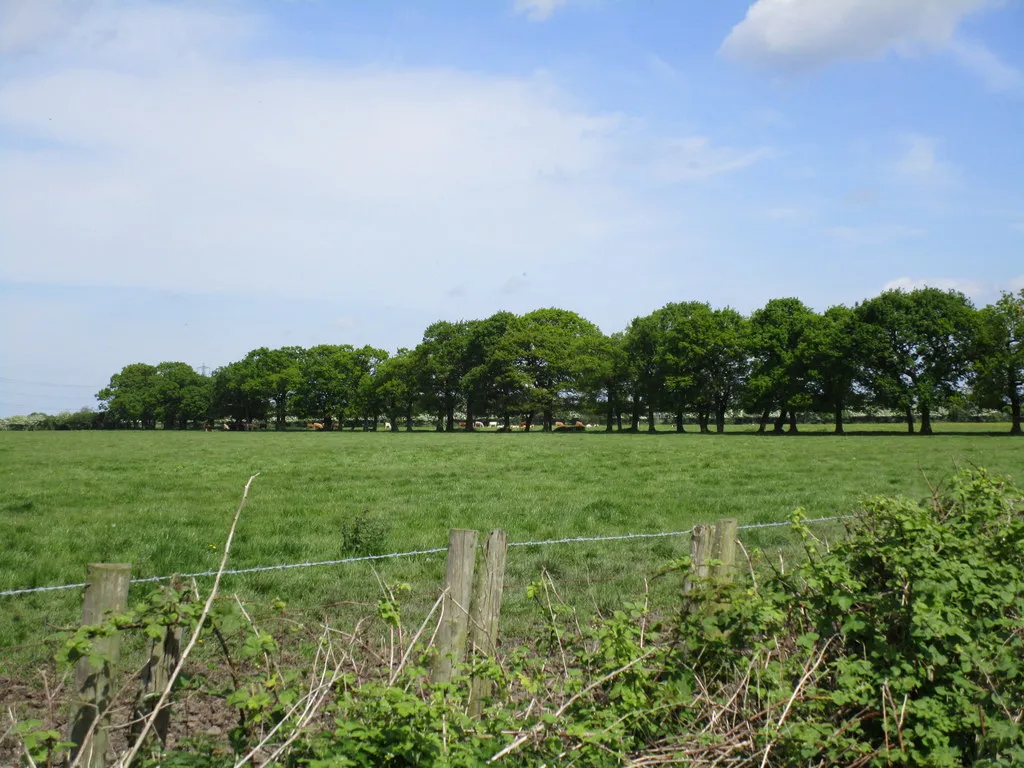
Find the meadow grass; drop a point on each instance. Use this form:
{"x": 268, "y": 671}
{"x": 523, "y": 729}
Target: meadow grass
{"x": 163, "y": 502}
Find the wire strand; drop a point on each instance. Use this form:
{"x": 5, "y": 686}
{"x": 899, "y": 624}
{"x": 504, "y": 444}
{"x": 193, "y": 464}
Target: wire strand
{"x": 416, "y": 553}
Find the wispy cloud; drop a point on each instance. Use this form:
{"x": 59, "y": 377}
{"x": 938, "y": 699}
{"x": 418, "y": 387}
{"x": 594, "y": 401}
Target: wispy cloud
{"x": 538, "y": 10}
{"x": 998, "y": 76}
{"x": 919, "y": 161}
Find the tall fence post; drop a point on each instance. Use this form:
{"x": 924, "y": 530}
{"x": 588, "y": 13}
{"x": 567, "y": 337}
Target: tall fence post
{"x": 723, "y": 548}
{"x": 163, "y": 658}
{"x": 700, "y": 553}
{"x": 453, "y": 633}
{"x": 106, "y": 592}
{"x": 485, "y": 613}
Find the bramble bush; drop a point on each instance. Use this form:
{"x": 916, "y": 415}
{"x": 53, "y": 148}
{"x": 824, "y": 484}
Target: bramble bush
{"x": 900, "y": 645}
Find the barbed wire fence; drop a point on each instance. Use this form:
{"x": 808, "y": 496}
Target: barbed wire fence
{"x": 418, "y": 553}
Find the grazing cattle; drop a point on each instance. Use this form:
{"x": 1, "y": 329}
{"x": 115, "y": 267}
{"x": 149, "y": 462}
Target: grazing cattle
{"x": 316, "y": 426}
{"x": 387, "y": 426}
{"x": 580, "y": 424}
{"x": 226, "y": 426}
{"x": 492, "y": 423}
{"x": 522, "y": 425}
{"x": 478, "y": 425}
{"x": 462, "y": 425}
{"x": 559, "y": 424}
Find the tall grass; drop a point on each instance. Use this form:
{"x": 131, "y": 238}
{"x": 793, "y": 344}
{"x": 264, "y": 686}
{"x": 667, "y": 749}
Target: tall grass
{"x": 163, "y": 500}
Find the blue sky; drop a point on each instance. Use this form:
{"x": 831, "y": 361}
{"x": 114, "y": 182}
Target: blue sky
{"x": 191, "y": 180}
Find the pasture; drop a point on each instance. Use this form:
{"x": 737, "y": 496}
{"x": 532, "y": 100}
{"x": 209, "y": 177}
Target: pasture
{"x": 163, "y": 501}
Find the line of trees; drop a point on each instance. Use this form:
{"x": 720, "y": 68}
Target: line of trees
{"x": 911, "y": 353}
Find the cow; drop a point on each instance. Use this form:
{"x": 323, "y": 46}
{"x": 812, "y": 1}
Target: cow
{"x": 387, "y": 426}
{"x": 492, "y": 423}
{"x": 226, "y": 427}
{"x": 478, "y": 425}
{"x": 316, "y": 426}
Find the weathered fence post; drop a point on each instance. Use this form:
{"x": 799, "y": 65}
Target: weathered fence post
{"x": 723, "y": 548}
{"x": 700, "y": 551}
{"x": 106, "y": 592}
{"x": 452, "y": 635}
{"x": 163, "y": 658}
{"x": 485, "y": 612}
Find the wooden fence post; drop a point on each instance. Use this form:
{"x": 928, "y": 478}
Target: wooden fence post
{"x": 453, "y": 633}
{"x": 700, "y": 553}
{"x": 163, "y": 658}
{"x": 723, "y": 548}
{"x": 485, "y": 612}
{"x": 106, "y": 592}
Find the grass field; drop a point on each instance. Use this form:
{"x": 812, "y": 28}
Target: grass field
{"x": 163, "y": 502}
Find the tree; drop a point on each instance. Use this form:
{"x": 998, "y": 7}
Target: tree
{"x": 555, "y": 349}
{"x": 329, "y": 376}
{"x": 364, "y": 405}
{"x": 703, "y": 356}
{"x": 644, "y": 340}
{"x": 605, "y": 385}
{"x": 395, "y": 388}
{"x": 183, "y": 395}
{"x": 492, "y": 382}
{"x": 133, "y": 396}
{"x": 273, "y": 375}
{"x": 918, "y": 346}
{"x": 441, "y": 358}
{"x": 833, "y": 351}
{"x": 778, "y": 376}
{"x": 233, "y": 395}
{"x": 999, "y": 360}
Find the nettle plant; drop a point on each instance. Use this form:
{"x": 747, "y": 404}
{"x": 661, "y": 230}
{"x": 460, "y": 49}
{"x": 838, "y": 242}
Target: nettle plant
{"x": 900, "y": 645}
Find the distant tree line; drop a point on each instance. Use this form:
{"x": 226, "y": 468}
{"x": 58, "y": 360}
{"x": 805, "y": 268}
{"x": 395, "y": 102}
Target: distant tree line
{"x": 914, "y": 354}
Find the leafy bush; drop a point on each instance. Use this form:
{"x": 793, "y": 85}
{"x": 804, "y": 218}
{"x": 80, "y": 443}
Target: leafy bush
{"x": 365, "y": 533}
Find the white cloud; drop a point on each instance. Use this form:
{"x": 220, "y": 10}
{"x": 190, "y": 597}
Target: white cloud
{"x": 981, "y": 292}
{"x": 997, "y": 75}
{"x": 538, "y": 10}
{"x": 801, "y": 35}
{"x": 919, "y": 161}
{"x": 146, "y": 153}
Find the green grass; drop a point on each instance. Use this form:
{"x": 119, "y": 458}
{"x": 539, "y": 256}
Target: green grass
{"x": 163, "y": 502}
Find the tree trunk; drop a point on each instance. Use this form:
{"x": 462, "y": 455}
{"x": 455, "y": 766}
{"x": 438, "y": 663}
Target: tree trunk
{"x": 704, "y": 418}
{"x": 529, "y": 421}
{"x": 548, "y": 419}
{"x": 508, "y": 422}
{"x": 610, "y": 416}
{"x": 618, "y": 419}
{"x": 634, "y": 425}
{"x": 764, "y": 421}
{"x": 926, "y": 420}
{"x": 1015, "y": 411}
{"x": 839, "y": 420}
{"x": 450, "y": 419}
{"x": 469, "y": 416}
{"x": 779, "y": 422}
{"x": 440, "y": 421}
{"x": 792, "y": 423}
{"x": 910, "y": 419}
{"x": 720, "y": 420}
{"x": 679, "y": 421}
{"x": 650, "y": 417}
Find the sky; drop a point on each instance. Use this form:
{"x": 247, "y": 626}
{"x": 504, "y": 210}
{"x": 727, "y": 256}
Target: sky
{"x": 192, "y": 180}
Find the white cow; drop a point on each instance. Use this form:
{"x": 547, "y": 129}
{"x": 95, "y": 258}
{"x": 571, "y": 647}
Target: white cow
{"x": 492, "y": 423}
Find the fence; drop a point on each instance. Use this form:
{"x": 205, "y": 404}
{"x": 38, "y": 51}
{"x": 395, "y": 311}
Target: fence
{"x": 470, "y": 604}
